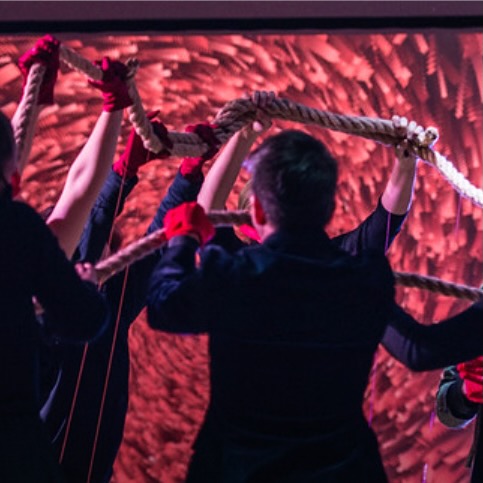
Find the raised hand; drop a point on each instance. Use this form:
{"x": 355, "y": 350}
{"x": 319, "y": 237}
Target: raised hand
{"x": 112, "y": 85}
{"x": 45, "y": 52}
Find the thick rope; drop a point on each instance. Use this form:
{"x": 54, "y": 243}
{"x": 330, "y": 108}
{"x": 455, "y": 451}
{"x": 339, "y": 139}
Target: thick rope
{"x": 148, "y": 244}
{"x": 240, "y": 112}
{"x": 437, "y": 285}
{"x": 144, "y": 246}
{"x": 30, "y": 96}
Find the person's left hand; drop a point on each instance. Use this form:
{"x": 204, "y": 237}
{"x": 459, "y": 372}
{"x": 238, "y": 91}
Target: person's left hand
{"x": 86, "y": 272}
{"x": 113, "y": 85}
{"x": 189, "y": 219}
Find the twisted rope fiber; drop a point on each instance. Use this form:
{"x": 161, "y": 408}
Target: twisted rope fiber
{"x": 437, "y": 285}
{"x": 31, "y": 94}
{"x": 144, "y": 246}
{"x": 240, "y": 112}
{"x": 148, "y": 244}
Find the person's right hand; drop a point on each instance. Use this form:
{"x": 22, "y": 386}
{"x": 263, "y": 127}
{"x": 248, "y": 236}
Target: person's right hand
{"x": 410, "y": 131}
{"x": 86, "y": 272}
{"x": 189, "y": 219}
{"x": 471, "y": 372}
{"x": 45, "y": 52}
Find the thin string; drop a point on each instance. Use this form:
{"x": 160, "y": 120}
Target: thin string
{"x": 458, "y": 216}
{"x": 86, "y": 345}
{"x": 74, "y": 400}
{"x": 108, "y": 372}
{"x": 114, "y": 337}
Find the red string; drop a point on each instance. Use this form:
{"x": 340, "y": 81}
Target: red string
{"x": 114, "y": 337}
{"x": 84, "y": 354}
{"x": 74, "y": 400}
{"x": 108, "y": 373}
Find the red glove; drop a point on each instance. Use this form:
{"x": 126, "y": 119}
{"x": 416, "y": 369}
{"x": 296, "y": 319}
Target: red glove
{"x": 136, "y": 155}
{"x": 45, "y": 52}
{"x": 250, "y": 232}
{"x": 113, "y": 85}
{"x": 191, "y": 167}
{"x": 472, "y": 374}
{"x": 15, "y": 182}
{"x": 189, "y": 219}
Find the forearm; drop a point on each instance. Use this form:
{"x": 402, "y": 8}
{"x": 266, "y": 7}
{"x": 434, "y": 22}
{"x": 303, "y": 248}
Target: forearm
{"x": 108, "y": 206}
{"x": 398, "y": 193}
{"x": 167, "y": 309}
{"x": 84, "y": 181}
{"x": 222, "y": 175}
{"x": 427, "y": 347}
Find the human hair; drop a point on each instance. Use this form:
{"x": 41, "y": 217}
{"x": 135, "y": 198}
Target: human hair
{"x": 294, "y": 179}
{"x": 7, "y": 141}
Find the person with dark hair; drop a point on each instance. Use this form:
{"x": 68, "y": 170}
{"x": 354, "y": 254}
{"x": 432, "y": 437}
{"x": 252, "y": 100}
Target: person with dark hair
{"x": 88, "y": 452}
{"x": 459, "y": 401}
{"x": 33, "y": 265}
{"x": 294, "y": 324}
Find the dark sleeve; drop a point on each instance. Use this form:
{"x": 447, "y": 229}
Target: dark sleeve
{"x": 180, "y": 296}
{"x": 109, "y": 204}
{"x": 127, "y": 291}
{"x": 427, "y": 347}
{"x": 74, "y": 309}
{"x": 452, "y": 407}
{"x": 376, "y": 232}
{"x": 181, "y": 191}
{"x": 225, "y": 237}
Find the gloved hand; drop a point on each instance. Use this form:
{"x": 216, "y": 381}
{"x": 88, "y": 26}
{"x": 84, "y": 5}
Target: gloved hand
{"x": 136, "y": 155}
{"x": 471, "y": 373}
{"x": 189, "y": 219}
{"x": 45, "y": 52}
{"x": 191, "y": 167}
{"x": 113, "y": 85}
{"x": 15, "y": 182}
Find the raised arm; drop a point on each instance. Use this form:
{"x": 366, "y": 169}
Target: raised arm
{"x": 379, "y": 229}
{"x": 222, "y": 175}
{"x": 46, "y": 53}
{"x": 398, "y": 194}
{"x": 91, "y": 167}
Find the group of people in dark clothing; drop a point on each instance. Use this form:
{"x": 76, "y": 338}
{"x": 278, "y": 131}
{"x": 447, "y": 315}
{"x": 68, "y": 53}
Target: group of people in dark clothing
{"x": 289, "y": 311}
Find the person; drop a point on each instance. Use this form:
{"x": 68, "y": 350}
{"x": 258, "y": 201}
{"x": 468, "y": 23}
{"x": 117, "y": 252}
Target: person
{"x": 33, "y": 265}
{"x": 459, "y": 401}
{"x": 91, "y": 166}
{"x": 87, "y": 442}
{"x": 377, "y": 231}
{"x": 294, "y": 324}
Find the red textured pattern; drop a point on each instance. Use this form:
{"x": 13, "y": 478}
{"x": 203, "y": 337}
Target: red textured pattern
{"x": 435, "y": 79}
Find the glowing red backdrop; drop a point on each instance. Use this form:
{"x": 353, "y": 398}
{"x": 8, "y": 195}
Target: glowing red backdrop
{"x": 433, "y": 78}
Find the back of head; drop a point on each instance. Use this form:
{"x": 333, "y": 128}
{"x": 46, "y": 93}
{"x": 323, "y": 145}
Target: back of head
{"x": 295, "y": 179}
{"x": 7, "y": 141}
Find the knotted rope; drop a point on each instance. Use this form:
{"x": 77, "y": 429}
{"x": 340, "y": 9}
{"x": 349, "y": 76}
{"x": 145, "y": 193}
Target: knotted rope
{"x": 230, "y": 119}
{"x": 150, "y": 243}
{"x": 238, "y": 113}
